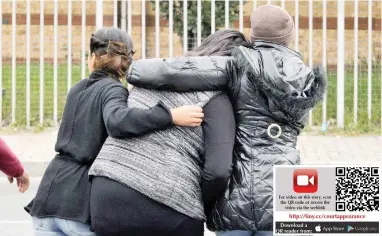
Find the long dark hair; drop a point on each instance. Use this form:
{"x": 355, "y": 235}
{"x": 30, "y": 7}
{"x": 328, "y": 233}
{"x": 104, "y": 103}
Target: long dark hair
{"x": 108, "y": 43}
{"x": 220, "y": 43}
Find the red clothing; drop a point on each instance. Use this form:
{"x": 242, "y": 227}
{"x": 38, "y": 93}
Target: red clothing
{"x": 9, "y": 163}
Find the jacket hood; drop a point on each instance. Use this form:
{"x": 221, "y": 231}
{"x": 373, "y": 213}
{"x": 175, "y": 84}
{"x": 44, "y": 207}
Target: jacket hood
{"x": 290, "y": 87}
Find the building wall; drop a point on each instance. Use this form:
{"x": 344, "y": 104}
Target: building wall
{"x": 150, "y": 29}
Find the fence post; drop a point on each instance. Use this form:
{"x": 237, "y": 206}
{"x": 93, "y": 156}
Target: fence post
{"x": 115, "y": 12}
{"x": 185, "y": 27}
{"x": 199, "y": 22}
{"x": 370, "y": 56}
{"x": 296, "y": 22}
{"x": 170, "y": 27}
{"x": 241, "y": 23}
{"x": 42, "y": 62}
{"x": 99, "y": 14}
{"x": 83, "y": 38}
{"x": 1, "y": 64}
{"x": 123, "y": 16}
{"x": 69, "y": 45}
{"x": 324, "y": 60}
{"x": 143, "y": 30}
{"x": 28, "y": 62}
{"x": 340, "y": 63}
{"x": 14, "y": 61}
{"x": 212, "y": 16}
{"x": 55, "y": 63}
{"x": 310, "y": 49}
{"x": 129, "y": 25}
{"x": 226, "y": 14}
{"x": 355, "y": 95}
{"x": 157, "y": 29}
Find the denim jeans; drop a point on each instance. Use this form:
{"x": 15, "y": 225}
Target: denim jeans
{"x": 53, "y": 226}
{"x": 244, "y": 233}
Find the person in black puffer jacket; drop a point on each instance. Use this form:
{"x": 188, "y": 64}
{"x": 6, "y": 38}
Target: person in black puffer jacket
{"x": 272, "y": 92}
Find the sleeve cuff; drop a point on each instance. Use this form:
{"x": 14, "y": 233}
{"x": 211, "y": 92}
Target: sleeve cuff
{"x": 167, "y": 116}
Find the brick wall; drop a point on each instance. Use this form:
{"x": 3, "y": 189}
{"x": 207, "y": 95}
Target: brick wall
{"x": 150, "y": 29}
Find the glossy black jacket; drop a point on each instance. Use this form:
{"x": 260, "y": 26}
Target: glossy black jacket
{"x": 272, "y": 92}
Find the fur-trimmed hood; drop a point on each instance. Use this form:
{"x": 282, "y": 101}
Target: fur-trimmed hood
{"x": 280, "y": 74}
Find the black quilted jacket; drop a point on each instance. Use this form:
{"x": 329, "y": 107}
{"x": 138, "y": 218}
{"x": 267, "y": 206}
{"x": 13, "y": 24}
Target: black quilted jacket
{"x": 269, "y": 86}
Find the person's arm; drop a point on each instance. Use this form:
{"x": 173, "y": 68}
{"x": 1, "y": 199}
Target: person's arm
{"x": 219, "y": 137}
{"x": 9, "y": 163}
{"x": 124, "y": 122}
{"x": 181, "y": 74}
{"x": 12, "y": 167}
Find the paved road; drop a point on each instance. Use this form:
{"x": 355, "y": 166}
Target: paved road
{"x": 14, "y": 221}
{"x": 36, "y": 150}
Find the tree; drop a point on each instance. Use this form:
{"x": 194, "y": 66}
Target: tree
{"x": 192, "y": 16}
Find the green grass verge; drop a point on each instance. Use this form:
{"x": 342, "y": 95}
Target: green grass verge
{"x": 62, "y": 89}
{"x": 363, "y": 126}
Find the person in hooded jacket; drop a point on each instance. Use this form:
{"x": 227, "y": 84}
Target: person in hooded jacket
{"x": 272, "y": 92}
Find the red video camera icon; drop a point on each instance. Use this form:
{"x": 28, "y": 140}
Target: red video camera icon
{"x": 305, "y": 181}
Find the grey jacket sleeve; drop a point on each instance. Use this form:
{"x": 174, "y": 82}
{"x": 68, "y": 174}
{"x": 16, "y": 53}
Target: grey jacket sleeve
{"x": 182, "y": 74}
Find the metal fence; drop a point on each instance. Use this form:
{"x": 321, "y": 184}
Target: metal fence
{"x": 34, "y": 88}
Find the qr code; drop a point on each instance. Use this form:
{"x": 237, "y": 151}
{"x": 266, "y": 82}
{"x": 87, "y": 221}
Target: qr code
{"x": 357, "y": 189}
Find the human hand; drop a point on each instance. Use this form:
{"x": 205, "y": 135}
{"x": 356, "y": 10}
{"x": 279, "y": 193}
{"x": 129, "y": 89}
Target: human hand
{"x": 22, "y": 182}
{"x": 187, "y": 115}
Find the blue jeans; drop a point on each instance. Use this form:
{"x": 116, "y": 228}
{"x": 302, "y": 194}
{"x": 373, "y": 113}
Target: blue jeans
{"x": 244, "y": 233}
{"x": 53, "y": 226}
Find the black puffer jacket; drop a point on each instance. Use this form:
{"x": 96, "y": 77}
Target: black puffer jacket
{"x": 270, "y": 86}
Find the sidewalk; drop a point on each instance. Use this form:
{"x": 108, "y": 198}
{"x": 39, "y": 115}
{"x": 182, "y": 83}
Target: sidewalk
{"x": 39, "y": 147}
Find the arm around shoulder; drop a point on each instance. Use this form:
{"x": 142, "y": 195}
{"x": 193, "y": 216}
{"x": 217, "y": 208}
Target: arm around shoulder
{"x": 123, "y": 122}
{"x": 181, "y": 74}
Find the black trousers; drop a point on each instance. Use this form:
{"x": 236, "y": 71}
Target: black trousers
{"x": 117, "y": 210}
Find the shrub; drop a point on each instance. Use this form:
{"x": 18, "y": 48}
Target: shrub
{"x": 192, "y": 16}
